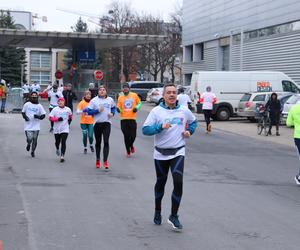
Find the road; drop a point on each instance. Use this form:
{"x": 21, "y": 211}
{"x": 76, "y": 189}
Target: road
{"x": 239, "y": 193}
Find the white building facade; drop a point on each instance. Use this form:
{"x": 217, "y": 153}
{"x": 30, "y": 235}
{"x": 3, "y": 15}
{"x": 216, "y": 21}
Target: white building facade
{"x": 241, "y": 35}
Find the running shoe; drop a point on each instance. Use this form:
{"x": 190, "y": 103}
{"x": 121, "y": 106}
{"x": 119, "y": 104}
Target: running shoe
{"x": 132, "y": 150}
{"x": 106, "y": 165}
{"x": 209, "y": 128}
{"x": 85, "y": 151}
{"x": 277, "y": 134}
{"x": 174, "y": 222}
{"x": 57, "y": 152}
{"x": 32, "y": 154}
{"x": 128, "y": 155}
{"x": 92, "y": 149}
{"x": 97, "y": 163}
{"x": 157, "y": 218}
{"x": 62, "y": 159}
{"x": 297, "y": 179}
{"x": 28, "y": 147}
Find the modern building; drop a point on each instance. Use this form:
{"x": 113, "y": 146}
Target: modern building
{"x": 241, "y": 35}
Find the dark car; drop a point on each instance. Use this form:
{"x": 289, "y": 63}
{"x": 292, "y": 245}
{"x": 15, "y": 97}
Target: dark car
{"x": 141, "y": 88}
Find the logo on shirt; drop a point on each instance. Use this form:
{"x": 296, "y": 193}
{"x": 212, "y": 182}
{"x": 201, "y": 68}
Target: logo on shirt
{"x": 175, "y": 121}
{"x": 128, "y": 103}
{"x": 33, "y": 109}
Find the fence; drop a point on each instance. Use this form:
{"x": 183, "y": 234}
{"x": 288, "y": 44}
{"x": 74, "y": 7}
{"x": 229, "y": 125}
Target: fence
{"x": 14, "y": 100}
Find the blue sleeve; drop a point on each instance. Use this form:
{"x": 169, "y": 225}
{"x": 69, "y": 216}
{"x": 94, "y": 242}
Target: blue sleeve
{"x": 152, "y": 129}
{"x": 92, "y": 111}
{"x": 113, "y": 110}
{"x": 192, "y": 127}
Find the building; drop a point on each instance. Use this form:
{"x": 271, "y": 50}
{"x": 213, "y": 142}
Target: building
{"x": 241, "y": 35}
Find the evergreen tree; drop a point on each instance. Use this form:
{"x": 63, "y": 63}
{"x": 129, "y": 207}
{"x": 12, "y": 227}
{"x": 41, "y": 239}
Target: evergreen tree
{"x": 11, "y": 59}
{"x": 80, "y": 26}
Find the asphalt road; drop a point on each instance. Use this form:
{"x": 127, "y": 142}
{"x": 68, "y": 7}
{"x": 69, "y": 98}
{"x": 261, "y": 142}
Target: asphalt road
{"x": 239, "y": 193}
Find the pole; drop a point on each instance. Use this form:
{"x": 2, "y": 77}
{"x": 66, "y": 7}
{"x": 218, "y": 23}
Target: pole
{"x": 242, "y": 45}
{"x": 122, "y": 80}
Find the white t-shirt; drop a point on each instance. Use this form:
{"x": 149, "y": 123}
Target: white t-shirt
{"x": 208, "y": 98}
{"x": 53, "y": 97}
{"x": 26, "y": 89}
{"x": 107, "y": 104}
{"x": 183, "y": 99}
{"x": 63, "y": 126}
{"x": 31, "y": 109}
{"x": 35, "y": 88}
{"x": 172, "y": 137}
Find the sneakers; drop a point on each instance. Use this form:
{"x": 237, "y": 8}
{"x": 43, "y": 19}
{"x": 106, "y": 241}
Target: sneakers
{"x": 62, "y": 159}
{"x": 128, "y": 155}
{"x": 277, "y": 133}
{"x": 157, "y": 218}
{"x": 97, "y": 163}
{"x": 106, "y": 165}
{"x": 57, "y": 152}
{"x": 209, "y": 128}
{"x": 32, "y": 154}
{"x": 92, "y": 149}
{"x": 132, "y": 150}
{"x": 174, "y": 222}
{"x": 85, "y": 151}
{"x": 28, "y": 147}
{"x": 297, "y": 179}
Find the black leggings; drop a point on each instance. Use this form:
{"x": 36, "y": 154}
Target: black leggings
{"x": 162, "y": 169}
{"x": 61, "y": 139}
{"x": 207, "y": 115}
{"x": 102, "y": 129}
{"x": 32, "y": 137}
{"x": 128, "y": 128}
{"x": 51, "y": 122}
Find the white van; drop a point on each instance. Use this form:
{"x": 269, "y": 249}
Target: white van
{"x": 230, "y": 86}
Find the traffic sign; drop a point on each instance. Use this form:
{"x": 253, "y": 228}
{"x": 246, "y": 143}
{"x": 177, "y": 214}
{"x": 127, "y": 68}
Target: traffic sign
{"x": 58, "y": 75}
{"x": 86, "y": 56}
{"x": 98, "y": 74}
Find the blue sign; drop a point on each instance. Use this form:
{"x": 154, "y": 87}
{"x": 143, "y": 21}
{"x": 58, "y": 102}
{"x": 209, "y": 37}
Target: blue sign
{"x": 88, "y": 56}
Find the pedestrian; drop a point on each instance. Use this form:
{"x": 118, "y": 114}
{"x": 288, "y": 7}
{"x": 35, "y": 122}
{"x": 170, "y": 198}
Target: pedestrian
{"x": 293, "y": 120}
{"x": 274, "y": 108}
{"x": 26, "y": 92}
{"x": 183, "y": 99}
{"x": 93, "y": 90}
{"x": 128, "y": 105}
{"x": 53, "y": 95}
{"x": 170, "y": 124}
{"x": 35, "y": 87}
{"x": 103, "y": 108}
{"x": 86, "y": 122}
{"x": 208, "y": 99}
{"x": 32, "y": 112}
{"x": 3, "y": 95}
{"x": 61, "y": 116}
{"x": 69, "y": 96}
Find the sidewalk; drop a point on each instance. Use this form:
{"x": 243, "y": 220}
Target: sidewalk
{"x": 243, "y": 127}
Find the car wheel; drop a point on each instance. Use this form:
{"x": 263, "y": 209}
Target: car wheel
{"x": 223, "y": 114}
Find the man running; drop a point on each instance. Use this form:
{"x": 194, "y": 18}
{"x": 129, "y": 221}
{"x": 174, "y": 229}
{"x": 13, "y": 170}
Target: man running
{"x": 26, "y": 92}
{"x": 208, "y": 99}
{"x": 128, "y": 105}
{"x": 33, "y": 113}
{"x": 183, "y": 99}
{"x": 171, "y": 124}
{"x": 86, "y": 122}
{"x": 61, "y": 116}
{"x": 53, "y": 95}
{"x": 293, "y": 119}
{"x": 103, "y": 108}
{"x": 35, "y": 87}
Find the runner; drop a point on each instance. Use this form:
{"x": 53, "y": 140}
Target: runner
{"x": 32, "y": 113}
{"x": 86, "y": 122}
{"x": 208, "y": 99}
{"x": 128, "y": 105}
{"x": 53, "y": 95}
{"x": 183, "y": 99}
{"x": 171, "y": 124}
{"x": 69, "y": 96}
{"x": 293, "y": 120}
{"x": 103, "y": 109}
{"x": 35, "y": 87}
{"x": 61, "y": 117}
{"x": 26, "y": 92}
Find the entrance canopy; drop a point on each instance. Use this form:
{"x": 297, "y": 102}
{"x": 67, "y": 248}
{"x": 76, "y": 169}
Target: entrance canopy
{"x": 70, "y": 40}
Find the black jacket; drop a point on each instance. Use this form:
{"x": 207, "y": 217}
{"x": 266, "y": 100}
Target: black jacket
{"x": 69, "y": 96}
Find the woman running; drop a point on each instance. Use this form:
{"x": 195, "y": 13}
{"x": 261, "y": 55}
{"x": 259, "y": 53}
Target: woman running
{"x": 86, "y": 122}
{"x": 61, "y": 116}
{"x": 33, "y": 113}
{"x": 103, "y": 109}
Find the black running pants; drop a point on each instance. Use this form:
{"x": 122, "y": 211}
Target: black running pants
{"x": 102, "y": 129}
{"x": 61, "y": 139}
{"x": 128, "y": 128}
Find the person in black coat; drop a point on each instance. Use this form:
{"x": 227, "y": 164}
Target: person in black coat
{"x": 69, "y": 96}
{"x": 274, "y": 107}
{"x": 93, "y": 90}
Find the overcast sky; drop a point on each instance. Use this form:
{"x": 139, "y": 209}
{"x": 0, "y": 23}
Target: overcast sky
{"x": 62, "y": 21}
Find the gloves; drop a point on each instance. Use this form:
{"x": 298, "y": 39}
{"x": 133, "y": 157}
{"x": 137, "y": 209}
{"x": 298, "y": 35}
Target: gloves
{"x": 134, "y": 110}
{"x": 25, "y": 117}
{"x": 118, "y": 110}
{"x": 57, "y": 96}
{"x": 36, "y": 116}
{"x": 60, "y": 119}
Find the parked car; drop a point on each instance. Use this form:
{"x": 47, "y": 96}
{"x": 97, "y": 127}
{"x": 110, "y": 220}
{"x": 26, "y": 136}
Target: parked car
{"x": 230, "y": 86}
{"x": 141, "y": 88}
{"x": 250, "y": 101}
{"x": 294, "y": 99}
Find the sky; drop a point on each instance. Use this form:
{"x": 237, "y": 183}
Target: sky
{"x": 62, "y": 21}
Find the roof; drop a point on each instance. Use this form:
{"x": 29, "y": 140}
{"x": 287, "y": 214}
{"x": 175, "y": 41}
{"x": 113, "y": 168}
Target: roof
{"x": 69, "y": 40}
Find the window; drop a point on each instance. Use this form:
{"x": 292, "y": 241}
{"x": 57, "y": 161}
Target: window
{"x": 245, "y": 98}
{"x": 42, "y": 77}
{"x": 259, "y": 98}
{"x": 288, "y": 86}
{"x": 40, "y": 60}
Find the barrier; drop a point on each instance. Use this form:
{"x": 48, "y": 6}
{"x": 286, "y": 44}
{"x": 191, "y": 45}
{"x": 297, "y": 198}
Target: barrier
{"x": 15, "y": 100}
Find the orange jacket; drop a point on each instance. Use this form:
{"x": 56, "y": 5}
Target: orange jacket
{"x": 85, "y": 118}
{"x": 126, "y": 105}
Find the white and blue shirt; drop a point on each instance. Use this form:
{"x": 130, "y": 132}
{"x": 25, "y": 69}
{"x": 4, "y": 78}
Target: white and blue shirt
{"x": 31, "y": 109}
{"x": 108, "y": 106}
{"x": 180, "y": 118}
{"x": 61, "y": 126}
